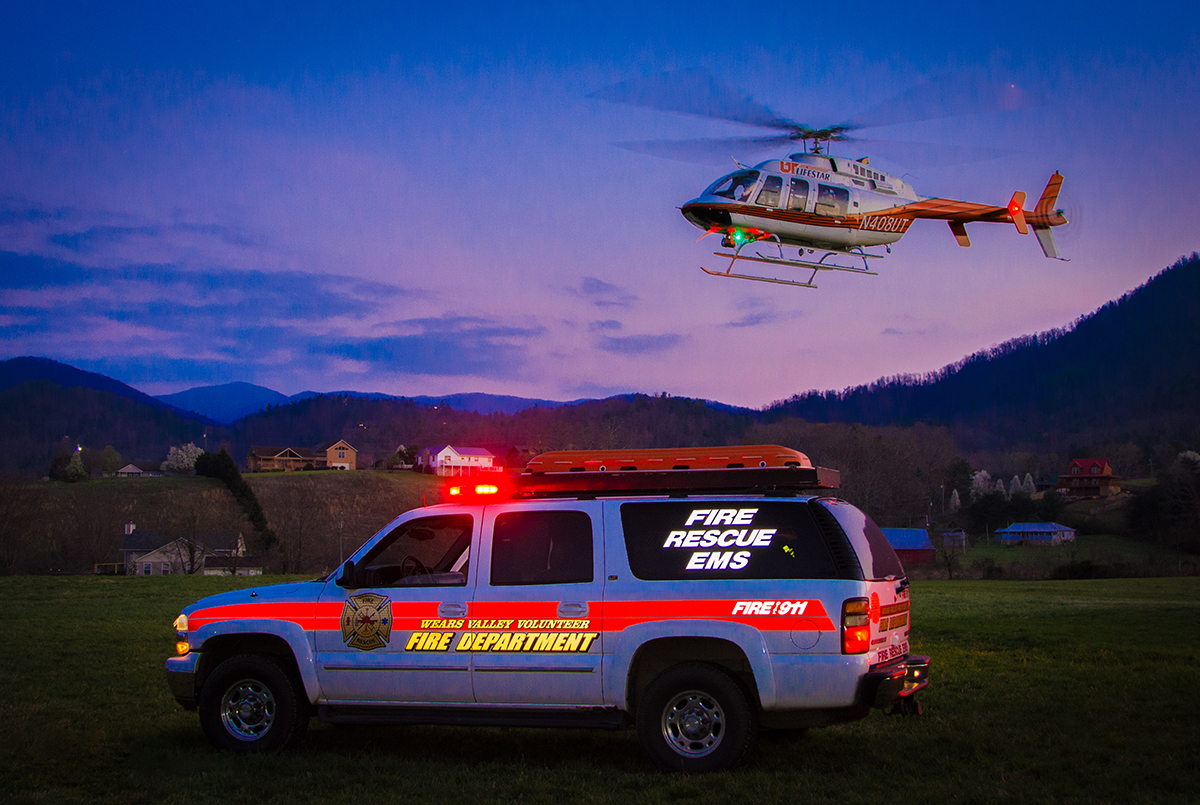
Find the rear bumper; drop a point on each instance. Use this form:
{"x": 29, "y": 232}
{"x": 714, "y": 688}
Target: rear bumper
{"x": 181, "y": 676}
{"x": 886, "y": 685}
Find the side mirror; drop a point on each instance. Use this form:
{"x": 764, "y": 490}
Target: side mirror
{"x": 346, "y": 578}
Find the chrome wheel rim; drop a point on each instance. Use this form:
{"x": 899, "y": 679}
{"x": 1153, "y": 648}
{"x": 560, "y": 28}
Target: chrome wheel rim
{"x": 693, "y": 723}
{"x": 248, "y": 709}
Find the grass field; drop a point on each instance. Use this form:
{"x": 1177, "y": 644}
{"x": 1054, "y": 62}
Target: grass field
{"x": 1072, "y": 691}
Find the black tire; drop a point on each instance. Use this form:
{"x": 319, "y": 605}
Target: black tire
{"x": 695, "y": 718}
{"x": 250, "y": 704}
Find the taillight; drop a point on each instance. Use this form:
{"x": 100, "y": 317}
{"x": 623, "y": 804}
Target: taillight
{"x": 856, "y": 626}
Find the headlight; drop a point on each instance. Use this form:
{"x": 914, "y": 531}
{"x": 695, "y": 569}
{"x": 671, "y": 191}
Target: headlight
{"x": 181, "y": 624}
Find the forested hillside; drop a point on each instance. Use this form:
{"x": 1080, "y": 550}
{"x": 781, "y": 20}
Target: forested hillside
{"x": 1125, "y": 378}
{"x": 1130, "y": 370}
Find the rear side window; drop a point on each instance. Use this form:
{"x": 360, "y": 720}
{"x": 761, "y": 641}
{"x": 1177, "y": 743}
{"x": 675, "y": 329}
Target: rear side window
{"x": 875, "y": 553}
{"x": 542, "y": 547}
{"x": 669, "y": 540}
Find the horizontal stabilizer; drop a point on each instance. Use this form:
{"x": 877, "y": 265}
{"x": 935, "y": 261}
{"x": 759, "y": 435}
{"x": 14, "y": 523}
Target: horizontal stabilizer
{"x": 1016, "y": 210}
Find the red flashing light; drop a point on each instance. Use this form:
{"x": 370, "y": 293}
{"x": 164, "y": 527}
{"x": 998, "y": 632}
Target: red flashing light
{"x": 475, "y": 491}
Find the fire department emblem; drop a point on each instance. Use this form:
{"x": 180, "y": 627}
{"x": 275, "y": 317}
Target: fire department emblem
{"x": 367, "y": 621}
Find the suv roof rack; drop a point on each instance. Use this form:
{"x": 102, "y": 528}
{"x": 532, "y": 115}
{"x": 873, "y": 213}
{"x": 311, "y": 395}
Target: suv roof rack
{"x": 747, "y": 469}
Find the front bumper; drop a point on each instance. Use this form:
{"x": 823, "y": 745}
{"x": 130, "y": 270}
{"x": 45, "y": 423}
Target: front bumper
{"x": 888, "y": 684}
{"x": 181, "y": 676}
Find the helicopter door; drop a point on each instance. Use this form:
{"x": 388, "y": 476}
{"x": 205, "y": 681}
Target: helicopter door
{"x": 798, "y": 195}
{"x": 772, "y": 186}
{"x": 832, "y": 200}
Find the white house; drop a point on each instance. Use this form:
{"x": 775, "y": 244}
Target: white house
{"x": 449, "y": 460}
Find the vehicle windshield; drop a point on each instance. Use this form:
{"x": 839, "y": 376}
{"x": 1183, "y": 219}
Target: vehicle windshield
{"x": 735, "y": 186}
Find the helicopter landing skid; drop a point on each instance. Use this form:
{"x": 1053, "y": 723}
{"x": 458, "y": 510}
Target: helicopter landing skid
{"x": 815, "y": 266}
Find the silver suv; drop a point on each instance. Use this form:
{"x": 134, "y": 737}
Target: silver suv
{"x": 699, "y": 595}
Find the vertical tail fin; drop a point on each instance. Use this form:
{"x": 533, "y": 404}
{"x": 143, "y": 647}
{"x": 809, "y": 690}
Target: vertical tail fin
{"x": 1045, "y": 205}
{"x": 1045, "y": 216}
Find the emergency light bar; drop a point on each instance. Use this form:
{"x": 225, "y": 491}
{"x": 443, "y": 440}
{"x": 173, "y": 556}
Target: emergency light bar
{"x": 748, "y": 469}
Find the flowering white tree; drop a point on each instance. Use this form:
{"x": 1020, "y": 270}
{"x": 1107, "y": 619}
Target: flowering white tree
{"x": 955, "y": 501}
{"x": 981, "y": 484}
{"x": 182, "y": 460}
{"x": 1015, "y": 486}
{"x": 1030, "y": 486}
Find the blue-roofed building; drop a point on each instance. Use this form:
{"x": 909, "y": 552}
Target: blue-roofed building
{"x": 1035, "y": 534}
{"x": 912, "y": 545}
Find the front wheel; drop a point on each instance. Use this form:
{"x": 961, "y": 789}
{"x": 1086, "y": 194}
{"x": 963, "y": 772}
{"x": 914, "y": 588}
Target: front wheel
{"x": 695, "y": 717}
{"x": 250, "y": 704}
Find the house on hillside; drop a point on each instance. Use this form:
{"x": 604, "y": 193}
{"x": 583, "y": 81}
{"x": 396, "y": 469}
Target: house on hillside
{"x": 912, "y": 545}
{"x": 449, "y": 460}
{"x": 1035, "y": 534}
{"x": 141, "y": 469}
{"x": 335, "y": 455}
{"x": 150, "y": 552}
{"x": 338, "y": 455}
{"x": 1089, "y": 478}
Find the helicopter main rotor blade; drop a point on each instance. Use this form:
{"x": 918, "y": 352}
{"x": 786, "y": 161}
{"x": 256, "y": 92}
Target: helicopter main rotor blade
{"x": 694, "y": 92}
{"x": 706, "y": 152}
{"x": 944, "y": 96}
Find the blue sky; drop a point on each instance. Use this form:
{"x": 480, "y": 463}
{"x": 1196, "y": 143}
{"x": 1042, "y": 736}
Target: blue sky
{"x": 429, "y": 202}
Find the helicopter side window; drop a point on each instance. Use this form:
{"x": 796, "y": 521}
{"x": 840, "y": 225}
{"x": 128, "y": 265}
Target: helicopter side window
{"x": 735, "y": 186}
{"x": 769, "y": 195}
{"x": 832, "y": 200}
{"x": 798, "y": 198}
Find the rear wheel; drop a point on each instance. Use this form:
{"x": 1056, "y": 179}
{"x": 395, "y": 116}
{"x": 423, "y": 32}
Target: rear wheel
{"x": 250, "y": 704}
{"x": 695, "y": 717}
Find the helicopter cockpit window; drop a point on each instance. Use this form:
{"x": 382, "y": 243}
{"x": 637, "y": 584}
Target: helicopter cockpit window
{"x": 769, "y": 195}
{"x": 735, "y": 186}
{"x": 426, "y": 552}
{"x": 798, "y": 198}
{"x": 832, "y": 200}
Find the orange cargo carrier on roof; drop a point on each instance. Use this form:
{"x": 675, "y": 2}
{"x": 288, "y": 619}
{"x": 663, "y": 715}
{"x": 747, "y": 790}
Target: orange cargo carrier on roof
{"x": 671, "y": 458}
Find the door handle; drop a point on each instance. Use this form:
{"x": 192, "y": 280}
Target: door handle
{"x": 452, "y": 609}
{"x": 572, "y": 609}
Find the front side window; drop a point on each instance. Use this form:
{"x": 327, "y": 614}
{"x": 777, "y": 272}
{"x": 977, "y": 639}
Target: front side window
{"x": 832, "y": 200}
{"x": 725, "y": 540}
{"x": 769, "y": 195}
{"x": 798, "y": 197}
{"x": 735, "y": 186}
{"x": 426, "y": 552}
{"x": 542, "y": 547}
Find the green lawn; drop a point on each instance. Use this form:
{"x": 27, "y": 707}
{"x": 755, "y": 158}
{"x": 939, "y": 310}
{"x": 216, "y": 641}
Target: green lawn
{"x": 1073, "y": 691}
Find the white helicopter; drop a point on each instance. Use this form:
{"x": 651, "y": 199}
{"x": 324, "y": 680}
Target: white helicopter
{"x": 813, "y": 200}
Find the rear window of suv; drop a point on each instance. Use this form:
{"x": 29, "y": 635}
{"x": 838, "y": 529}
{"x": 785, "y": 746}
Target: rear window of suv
{"x": 875, "y": 553}
{"x": 670, "y": 540}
